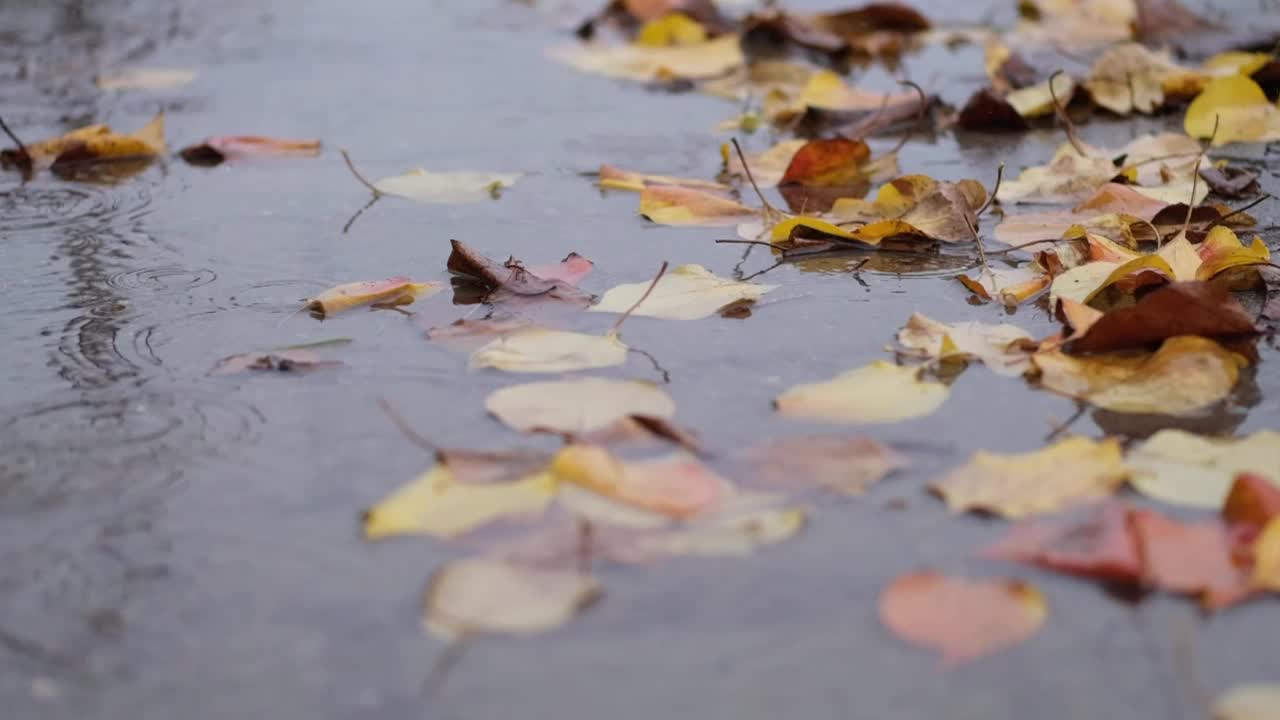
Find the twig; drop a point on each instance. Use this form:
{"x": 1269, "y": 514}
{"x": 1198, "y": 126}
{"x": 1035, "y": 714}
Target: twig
{"x": 1061, "y": 112}
{"x": 1195, "y": 179}
{"x": 1233, "y": 213}
{"x": 1060, "y": 427}
{"x": 992, "y": 197}
{"x": 758, "y": 273}
{"x": 924, "y": 101}
{"x": 448, "y": 659}
{"x": 1024, "y": 246}
{"x": 666, "y": 374}
{"x": 360, "y": 212}
{"x": 363, "y": 181}
{"x": 617, "y": 324}
{"x": 405, "y": 428}
{"x": 771, "y": 213}
{"x": 775, "y": 246}
{"x": 21, "y": 147}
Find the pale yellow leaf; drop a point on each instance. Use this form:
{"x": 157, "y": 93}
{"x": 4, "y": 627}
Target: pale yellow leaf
{"x": 577, "y": 406}
{"x": 436, "y": 504}
{"x": 450, "y": 188}
{"x": 689, "y": 292}
{"x": 877, "y": 393}
{"x": 1185, "y": 469}
{"x": 480, "y": 595}
{"x": 538, "y": 349}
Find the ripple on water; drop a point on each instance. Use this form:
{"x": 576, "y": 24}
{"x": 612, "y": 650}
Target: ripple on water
{"x": 159, "y": 280}
{"x": 95, "y": 450}
{"x": 43, "y": 206}
{"x": 275, "y": 296}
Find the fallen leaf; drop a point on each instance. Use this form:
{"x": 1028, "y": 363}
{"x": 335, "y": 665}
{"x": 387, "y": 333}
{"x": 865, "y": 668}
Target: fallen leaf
{"x": 1231, "y": 182}
{"x": 674, "y": 205}
{"x": 1266, "y": 558}
{"x": 215, "y": 150}
{"x": 1189, "y": 558}
{"x": 577, "y": 407}
{"x": 1012, "y": 286}
{"x": 1069, "y": 472}
{"x": 488, "y": 467}
{"x": 1181, "y": 308}
{"x": 536, "y": 349}
{"x": 936, "y": 209}
{"x": 877, "y": 393}
{"x": 1248, "y": 702}
{"x": 446, "y": 187}
{"x": 648, "y": 64}
{"x": 677, "y": 485}
{"x": 466, "y": 332}
{"x": 987, "y": 111}
{"x": 283, "y": 360}
{"x": 1100, "y": 546}
{"x": 767, "y": 167}
{"x": 1233, "y": 109}
{"x": 999, "y": 347}
{"x": 727, "y": 533}
{"x": 479, "y": 595}
{"x": 90, "y": 144}
{"x": 1129, "y": 77}
{"x": 394, "y": 291}
{"x": 1222, "y": 250}
{"x": 961, "y": 619}
{"x": 845, "y": 464}
{"x": 1187, "y": 373}
{"x": 145, "y": 79}
{"x": 1160, "y": 166}
{"x": 1185, "y": 469}
{"x": 827, "y": 162}
{"x": 437, "y": 504}
{"x": 513, "y": 279}
{"x": 613, "y": 178}
{"x": 673, "y": 29}
{"x": 688, "y": 292}
{"x": 1037, "y": 100}
{"x": 1253, "y": 500}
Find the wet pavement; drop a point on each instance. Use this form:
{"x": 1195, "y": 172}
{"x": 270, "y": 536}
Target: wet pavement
{"x": 175, "y": 544}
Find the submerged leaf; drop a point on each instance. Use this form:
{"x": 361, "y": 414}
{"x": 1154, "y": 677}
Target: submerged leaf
{"x": 1072, "y": 471}
{"x": 876, "y": 393}
{"x": 490, "y": 596}
{"x": 577, "y": 406}
{"x": 536, "y": 349}
{"x": 446, "y": 187}
{"x": 839, "y": 463}
{"x": 961, "y": 619}
{"x": 689, "y": 292}
{"x": 1185, "y": 469}
{"x": 677, "y": 485}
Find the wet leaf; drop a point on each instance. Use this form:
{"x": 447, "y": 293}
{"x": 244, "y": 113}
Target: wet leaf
{"x": 1222, "y": 250}
{"x": 392, "y": 291}
{"x": 88, "y": 145}
{"x": 1190, "y": 558}
{"x": 1159, "y": 166}
{"x": 576, "y": 407}
{"x": 536, "y": 349}
{"x": 469, "y": 333}
{"x": 283, "y": 360}
{"x": 437, "y": 504}
{"x": 487, "y": 467}
{"x": 999, "y": 347}
{"x": 215, "y": 150}
{"x": 145, "y": 79}
{"x": 827, "y": 162}
{"x": 674, "y": 29}
{"x": 673, "y": 205}
{"x": 845, "y": 464}
{"x": 1253, "y": 500}
{"x": 877, "y": 393}
{"x": 1248, "y": 702}
{"x": 676, "y": 485}
{"x": 480, "y": 595}
{"x": 513, "y": 279}
{"x": 646, "y": 64}
{"x": 1186, "y": 374}
{"x": 1069, "y": 472}
{"x": 688, "y": 292}
{"x": 1184, "y": 469}
{"x": 1238, "y": 108}
{"x": 1011, "y": 286}
{"x": 1231, "y": 182}
{"x": 1099, "y": 546}
{"x": 730, "y": 532}
{"x": 1182, "y": 308}
{"x": 446, "y": 187}
{"x": 1129, "y": 77}
{"x": 613, "y": 178}
{"x": 936, "y": 209}
{"x": 767, "y": 167}
{"x": 963, "y": 620}
{"x": 1266, "y": 558}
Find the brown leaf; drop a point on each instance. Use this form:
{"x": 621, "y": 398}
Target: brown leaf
{"x": 215, "y": 150}
{"x": 987, "y": 112}
{"x": 962, "y": 619}
{"x": 512, "y": 278}
{"x": 847, "y": 464}
{"x": 1231, "y": 182}
{"x": 1183, "y": 308}
{"x": 1253, "y": 500}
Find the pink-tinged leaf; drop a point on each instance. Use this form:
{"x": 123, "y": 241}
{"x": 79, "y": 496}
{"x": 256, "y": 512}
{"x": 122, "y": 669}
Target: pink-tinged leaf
{"x": 571, "y": 270}
{"x": 1100, "y": 546}
{"x": 1190, "y": 558}
{"x": 218, "y": 149}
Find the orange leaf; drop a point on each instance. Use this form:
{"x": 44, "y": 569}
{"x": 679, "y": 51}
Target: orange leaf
{"x": 962, "y": 619}
{"x": 827, "y": 162}
{"x": 1253, "y": 500}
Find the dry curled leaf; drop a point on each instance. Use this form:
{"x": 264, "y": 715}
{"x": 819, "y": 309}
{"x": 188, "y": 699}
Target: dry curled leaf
{"x": 513, "y": 280}
{"x": 961, "y": 619}
{"x": 1181, "y": 308}
{"x": 999, "y": 347}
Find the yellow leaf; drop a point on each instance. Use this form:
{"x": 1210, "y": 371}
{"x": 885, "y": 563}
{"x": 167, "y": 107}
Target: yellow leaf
{"x": 677, "y": 485}
{"x": 145, "y": 79}
{"x": 435, "y": 504}
{"x": 1239, "y": 109}
{"x": 1222, "y": 250}
{"x": 827, "y": 91}
{"x": 767, "y": 167}
{"x": 577, "y": 406}
{"x": 994, "y": 345}
{"x": 1248, "y": 702}
{"x": 536, "y": 349}
{"x": 612, "y": 178}
{"x": 673, "y": 205}
{"x": 396, "y": 291}
{"x": 96, "y": 143}
{"x": 480, "y": 595}
{"x": 646, "y": 64}
{"x": 1187, "y": 373}
{"x": 1266, "y": 562}
{"x": 1234, "y": 62}
{"x": 877, "y": 393}
{"x": 672, "y": 29}
{"x": 727, "y": 534}
{"x": 1037, "y": 100}
{"x": 1130, "y": 77}
{"x": 1185, "y": 469}
{"x": 452, "y": 188}
{"x": 688, "y": 292}
{"x": 1069, "y": 472}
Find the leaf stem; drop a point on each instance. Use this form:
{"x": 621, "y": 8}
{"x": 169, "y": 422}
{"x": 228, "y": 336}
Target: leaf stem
{"x": 617, "y": 324}
{"x": 363, "y": 181}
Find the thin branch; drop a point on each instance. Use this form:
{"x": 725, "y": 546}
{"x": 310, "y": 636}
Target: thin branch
{"x": 666, "y": 374}
{"x": 21, "y": 147}
{"x": 363, "y": 180}
{"x": 617, "y": 324}
{"x": 924, "y": 101}
{"x": 1022, "y": 247}
{"x": 771, "y": 213}
{"x": 992, "y": 197}
{"x": 405, "y": 428}
{"x": 775, "y": 246}
{"x": 360, "y": 212}
{"x": 758, "y": 273}
{"x": 1233, "y": 213}
{"x": 1061, "y": 112}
